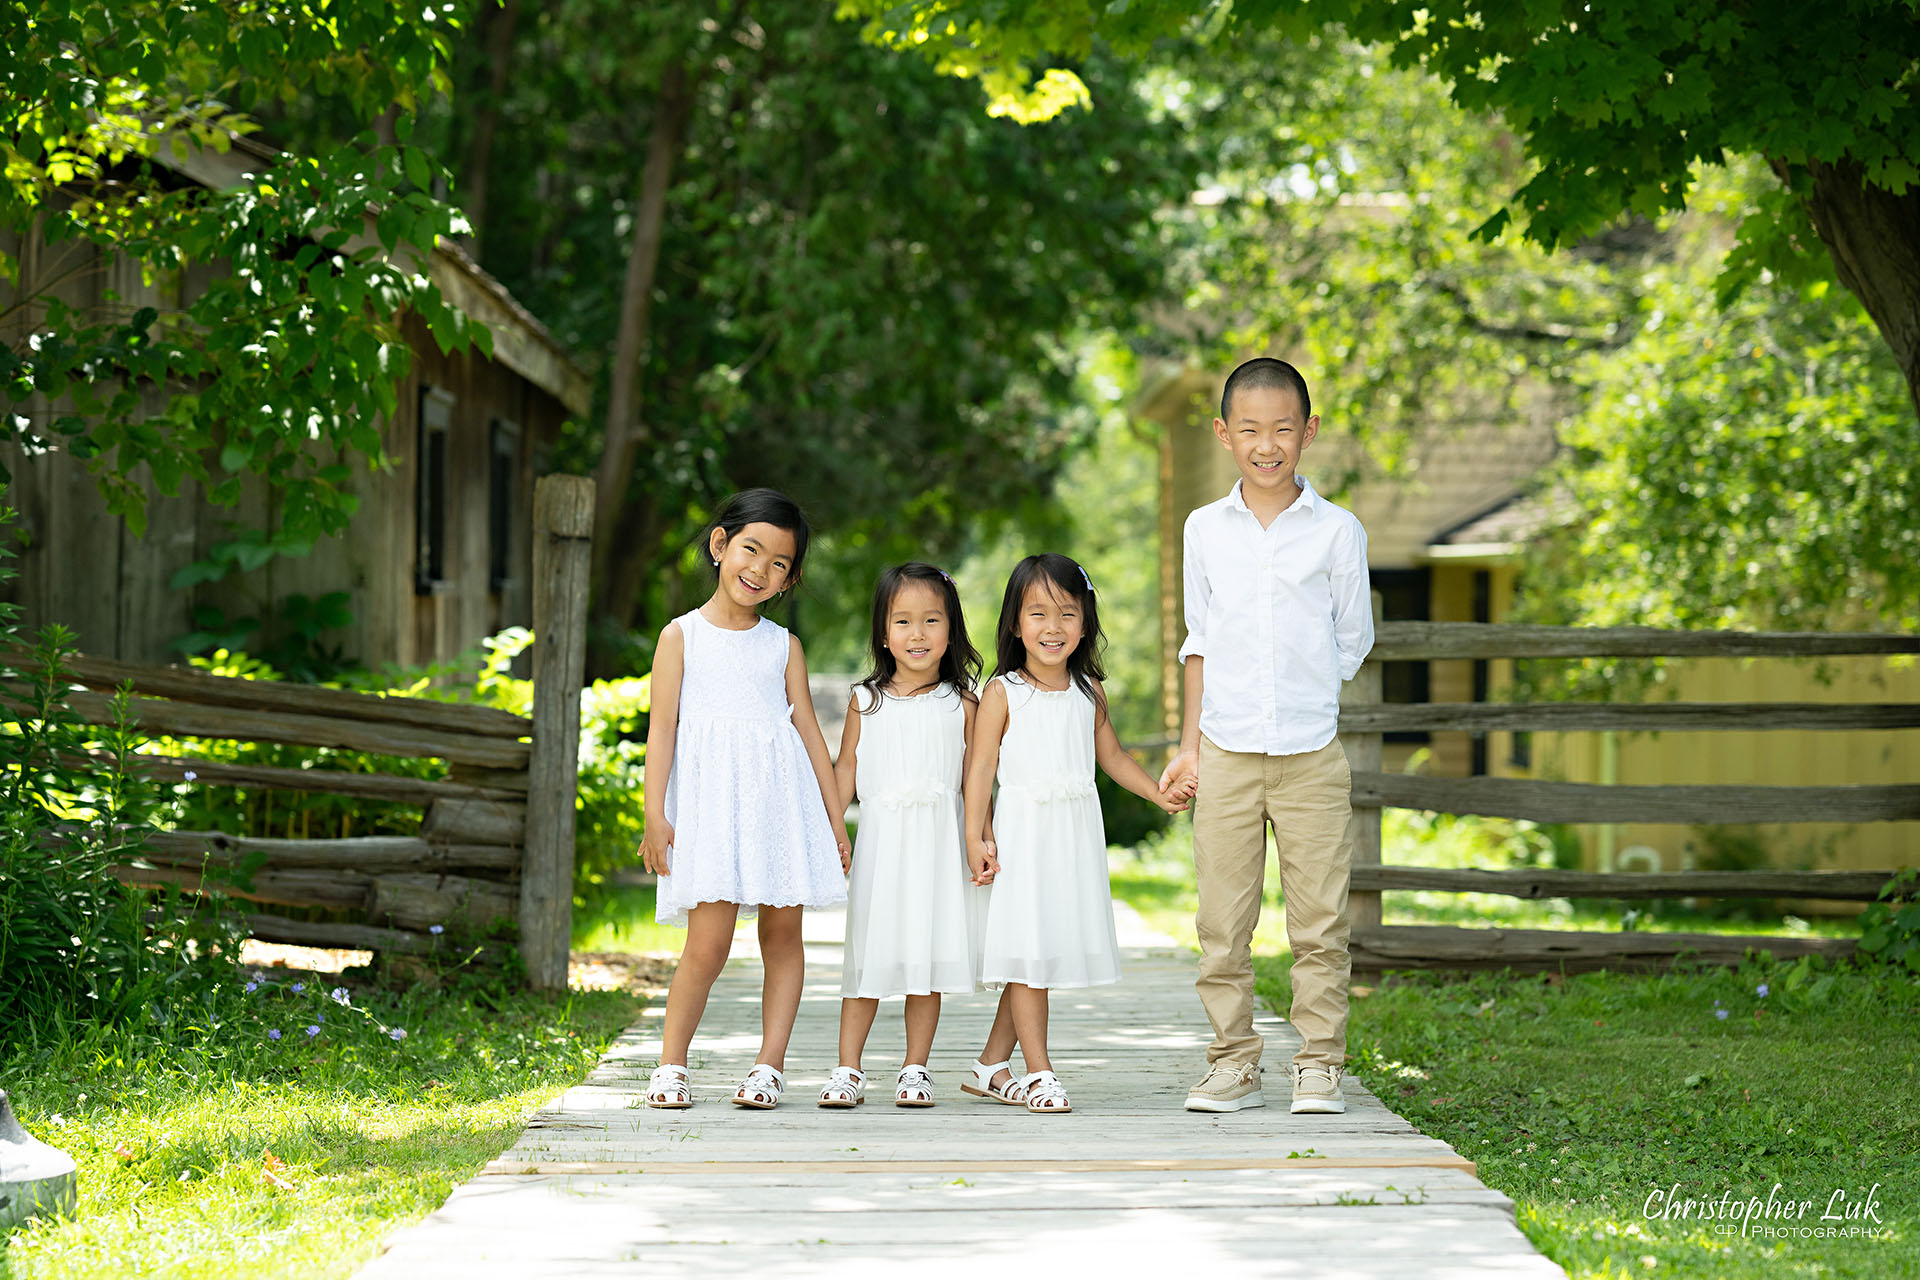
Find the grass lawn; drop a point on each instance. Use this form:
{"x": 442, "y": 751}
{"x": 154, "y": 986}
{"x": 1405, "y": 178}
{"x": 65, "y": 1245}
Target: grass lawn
{"x": 213, "y": 1150}
{"x": 1582, "y": 1097}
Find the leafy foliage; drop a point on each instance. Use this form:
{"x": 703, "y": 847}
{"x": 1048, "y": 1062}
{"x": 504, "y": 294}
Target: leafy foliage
{"x": 265, "y": 340}
{"x": 1890, "y": 928}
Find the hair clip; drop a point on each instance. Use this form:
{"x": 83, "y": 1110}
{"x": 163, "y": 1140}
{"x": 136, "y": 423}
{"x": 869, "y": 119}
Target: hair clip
{"x": 943, "y": 573}
{"x": 1084, "y": 578}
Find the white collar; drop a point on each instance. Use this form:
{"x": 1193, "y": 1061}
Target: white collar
{"x": 1307, "y": 497}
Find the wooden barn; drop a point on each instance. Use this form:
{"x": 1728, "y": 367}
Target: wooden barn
{"x": 437, "y": 558}
{"x": 1444, "y": 544}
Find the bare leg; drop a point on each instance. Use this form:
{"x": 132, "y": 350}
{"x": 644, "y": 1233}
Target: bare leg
{"x": 856, "y": 1021}
{"x": 786, "y": 963}
{"x": 1030, "y": 1024}
{"x": 923, "y": 1015}
{"x": 1000, "y": 1040}
{"x": 709, "y": 938}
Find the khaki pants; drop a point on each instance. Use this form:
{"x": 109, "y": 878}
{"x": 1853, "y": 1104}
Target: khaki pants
{"x": 1308, "y": 800}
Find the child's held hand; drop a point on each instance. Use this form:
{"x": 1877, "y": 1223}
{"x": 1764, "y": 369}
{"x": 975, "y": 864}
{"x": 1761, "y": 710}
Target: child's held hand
{"x": 1180, "y": 780}
{"x": 654, "y": 843}
{"x": 846, "y": 850}
{"x": 983, "y": 858}
{"x": 1172, "y": 802}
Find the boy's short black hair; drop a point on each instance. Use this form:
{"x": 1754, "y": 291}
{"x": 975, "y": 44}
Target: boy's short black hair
{"x": 1265, "y": 371}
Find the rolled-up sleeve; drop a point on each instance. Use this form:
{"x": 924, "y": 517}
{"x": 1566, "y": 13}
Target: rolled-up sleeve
{"x": 1352, "y": 603}
{"x": 1193, "y": 574}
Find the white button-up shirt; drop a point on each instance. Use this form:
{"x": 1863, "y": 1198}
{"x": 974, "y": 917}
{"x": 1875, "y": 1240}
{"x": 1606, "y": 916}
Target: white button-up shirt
{"x": 1282, "y": 615}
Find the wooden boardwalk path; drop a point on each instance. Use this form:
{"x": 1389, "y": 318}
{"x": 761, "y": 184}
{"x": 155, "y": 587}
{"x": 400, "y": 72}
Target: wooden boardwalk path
{"x": 1129, "y": 1183}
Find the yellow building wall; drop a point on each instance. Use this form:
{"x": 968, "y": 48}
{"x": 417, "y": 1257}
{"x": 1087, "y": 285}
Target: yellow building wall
{"x": 1777, "y": 758}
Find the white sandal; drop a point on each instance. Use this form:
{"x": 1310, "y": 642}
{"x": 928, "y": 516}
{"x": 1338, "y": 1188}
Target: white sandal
{"x": 761, "y": 1089}
{"x": 914, "y": 1087}
{"x": 1013, "y": 1092}
{"x": 1045, "y": 1094}
{"x": 846, "y": 1087}
{"x": 669, "y": 1088}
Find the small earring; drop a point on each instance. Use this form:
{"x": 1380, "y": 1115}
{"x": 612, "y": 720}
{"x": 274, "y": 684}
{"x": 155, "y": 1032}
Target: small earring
{"x": 716, "y": 561}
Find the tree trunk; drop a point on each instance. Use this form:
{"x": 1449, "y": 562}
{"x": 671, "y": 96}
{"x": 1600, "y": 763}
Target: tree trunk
{"x": 623, "y": 431}
{"x": 1874, "y": 238}
{"x": 486, "y": 119}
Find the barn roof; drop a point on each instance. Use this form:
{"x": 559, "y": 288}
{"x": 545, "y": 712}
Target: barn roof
{"x": 520, "y": 342}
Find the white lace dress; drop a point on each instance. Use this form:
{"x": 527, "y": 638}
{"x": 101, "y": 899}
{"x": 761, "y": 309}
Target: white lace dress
{"x": 1049, "y": 919}
{"x": 749, "y": 826}
{"x": 911, "y": 908}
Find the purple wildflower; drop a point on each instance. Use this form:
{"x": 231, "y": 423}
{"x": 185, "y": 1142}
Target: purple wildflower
{"x": 1720, "y": 1014}
{"x": 298, "y": 987}
{"x": 253, "y": 986}
{"x": 398, "y": 1033}
{"x": 312, "y": 1032}
{"x": 436, "y": 928}
{"x": 190, "y": 775}
{"x": 273, "y": 1034}
{"x": 340, "y": 995}
{"x": 1761, "y": 991}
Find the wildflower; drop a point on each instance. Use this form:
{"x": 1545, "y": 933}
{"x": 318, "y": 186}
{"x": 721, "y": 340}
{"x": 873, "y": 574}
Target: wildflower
{"x": 1761, "y": 991}
{"x": 436, "y": 929}
{"x": 398, "y": 1033}
{"x": 252, "y": 987}
{"x": 312, "y": 1032}
{"x": 340, "y": 996}
{"x": 1720, "y": 1014}
{"x": 190, "y": 775}
{"x": 298, "y": 987}
{"x": 273, "y": 1034}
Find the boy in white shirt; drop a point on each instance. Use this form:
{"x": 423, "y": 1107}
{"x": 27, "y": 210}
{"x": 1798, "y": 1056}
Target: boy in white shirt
{"x": 1278, "y": 614}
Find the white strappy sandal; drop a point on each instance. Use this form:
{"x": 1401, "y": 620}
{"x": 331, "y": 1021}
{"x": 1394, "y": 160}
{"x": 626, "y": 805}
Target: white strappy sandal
{"x": 1013, "y": 1092}
{"x": 669, "y": 1088}
{"x": 914, "y": 1087}
{"x": 761, "y": 1089}
{"x": 1045, "y": 1094}
{"x": 846, "y": 1087}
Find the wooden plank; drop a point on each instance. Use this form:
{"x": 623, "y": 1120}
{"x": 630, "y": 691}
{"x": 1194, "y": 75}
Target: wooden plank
{"x": 420, "y": 901}
{"x": 187, "y": 720}
{"x": 333, "y": 890}
{"x": 183, "y": 684}
{"x": 1402, "y": 641}
{"x": 1446, "y": 947}
{"x": 562, "y": 547}
{"x": 474, "y": 775}
{"x": 1586, "y": 802}
{"x": 504, "y": 1168}
{"x": 1859, "y": 886}
{"x": 338, "y": 782}
{"x": 356, "y": 853}
{"x": 328, "y": 933}
{"x": 1667, "y": 717}
{"x": 476, "y": 822}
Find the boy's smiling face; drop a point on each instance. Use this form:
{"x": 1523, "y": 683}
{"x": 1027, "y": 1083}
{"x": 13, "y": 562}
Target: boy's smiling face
{"x": 1267, "y": 436}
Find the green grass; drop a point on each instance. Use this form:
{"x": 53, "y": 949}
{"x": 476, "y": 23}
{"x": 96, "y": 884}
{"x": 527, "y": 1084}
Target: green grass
{"x": 171, "y": 1128}
{"x": 620, "y": 918}
{"x": 1579, "y": 1097}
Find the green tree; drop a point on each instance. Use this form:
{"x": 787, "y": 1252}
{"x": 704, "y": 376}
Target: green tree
{"x": 799, "y": 260}
{"x": 283, "y": 348}
{"x": 1617, "y": 106}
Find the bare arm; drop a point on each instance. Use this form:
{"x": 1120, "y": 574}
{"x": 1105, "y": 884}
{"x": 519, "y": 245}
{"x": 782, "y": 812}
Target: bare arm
{"x": 1123, "y": 768}
{"x": 663, "y": 724}
{"x": 808, "y": 724}
{"x": 844, "y": 770}
{"x": 1181, "y": 778}
{"x": 983, "y": 759}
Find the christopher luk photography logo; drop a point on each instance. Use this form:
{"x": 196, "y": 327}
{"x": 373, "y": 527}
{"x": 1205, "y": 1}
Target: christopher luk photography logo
{"x": 1835, "y": 1213}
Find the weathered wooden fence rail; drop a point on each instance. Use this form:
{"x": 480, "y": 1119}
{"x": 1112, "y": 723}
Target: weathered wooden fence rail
{"x": 496, "y": 837}
{"x": 1364, "y": 719}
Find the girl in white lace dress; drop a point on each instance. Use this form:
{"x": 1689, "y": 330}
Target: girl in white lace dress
{"x": 1041, "y": 728}
{"x": 910, "y": 902}
{"x": 742, "y": 811}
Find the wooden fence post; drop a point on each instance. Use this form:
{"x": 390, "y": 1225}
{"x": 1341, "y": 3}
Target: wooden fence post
{"x": 1363, "y": 754}
{"x": 562, "y": 559}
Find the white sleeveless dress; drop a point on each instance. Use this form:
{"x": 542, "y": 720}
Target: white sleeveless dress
{"x": 749, "y": 825}
{"x": 1049, "y": 920}
{"x": 910, "y": 904}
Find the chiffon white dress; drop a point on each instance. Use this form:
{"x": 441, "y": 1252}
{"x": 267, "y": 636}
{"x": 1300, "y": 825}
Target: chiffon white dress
{"x": 749, "y": 824}
{"x": 911, "y": 906}
{"x": 1049, "y": 920}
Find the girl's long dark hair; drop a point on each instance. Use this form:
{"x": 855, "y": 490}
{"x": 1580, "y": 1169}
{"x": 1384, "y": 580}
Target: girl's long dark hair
{"x": 1066, "y": 576}
{"x": 959, "y": 665}
{"x": 758, "y": 506}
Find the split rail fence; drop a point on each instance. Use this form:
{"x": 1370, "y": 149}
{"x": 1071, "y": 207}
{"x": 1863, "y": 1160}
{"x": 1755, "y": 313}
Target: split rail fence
{"x": 496, "y": 839}
{"x": 1364, "y": 718}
